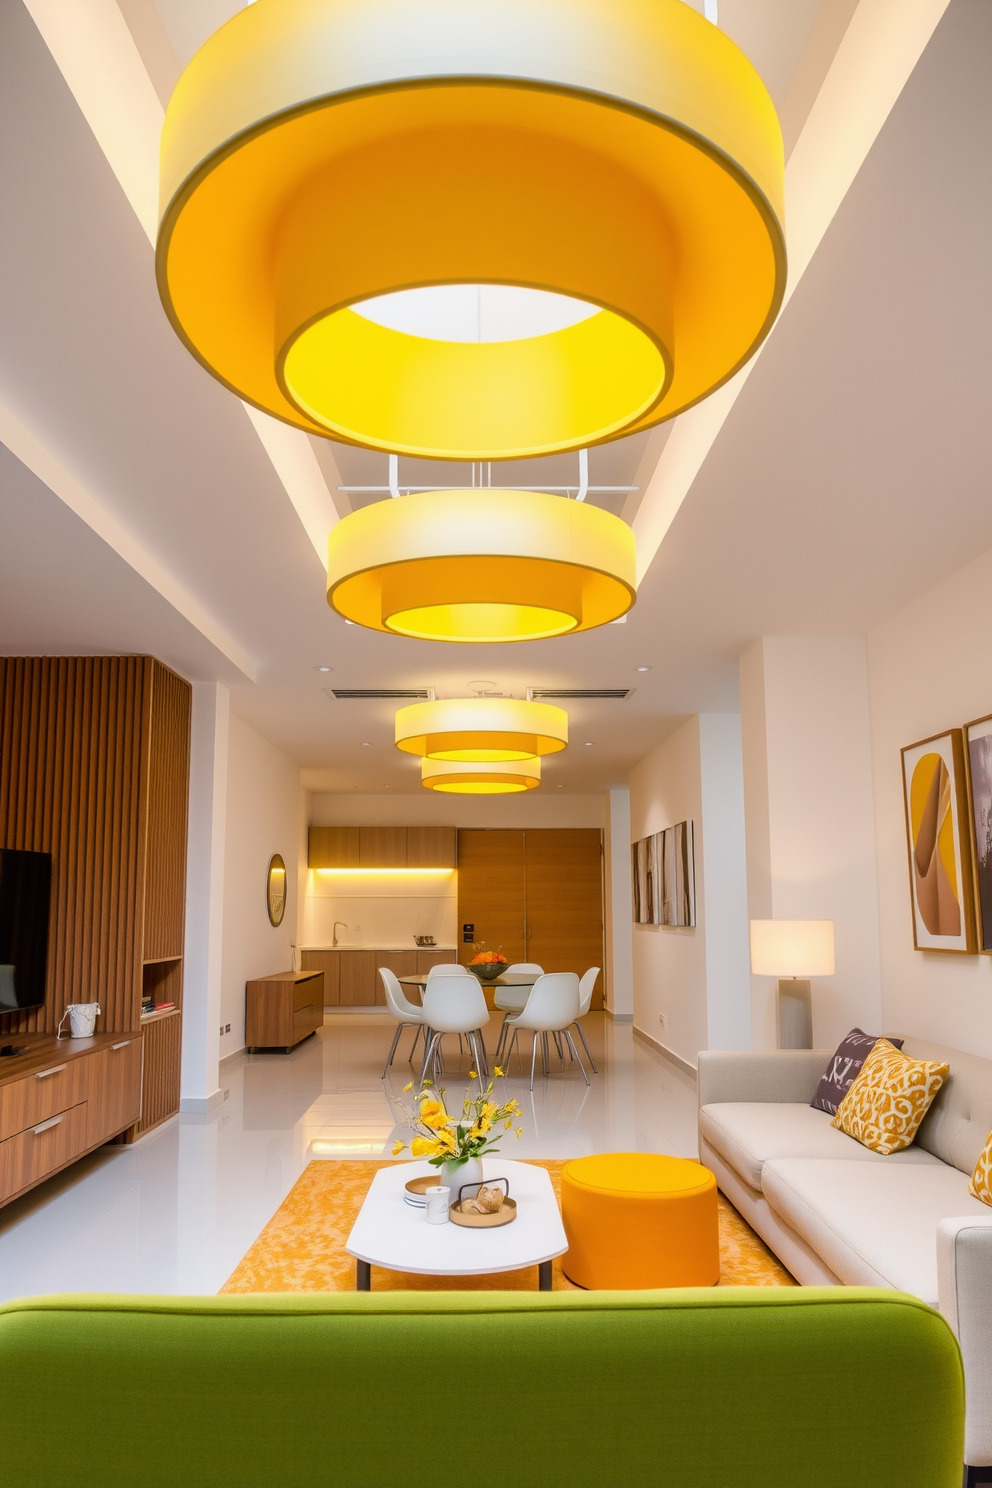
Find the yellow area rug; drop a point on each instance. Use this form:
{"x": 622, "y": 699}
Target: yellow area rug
{"x": 302, "y": 1248}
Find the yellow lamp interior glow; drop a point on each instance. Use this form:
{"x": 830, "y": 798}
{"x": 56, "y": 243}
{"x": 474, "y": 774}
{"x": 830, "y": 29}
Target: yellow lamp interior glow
{"x": 604, "y": 180}
{"x": 481, "y": 730}
{"x": 468, "y": 778}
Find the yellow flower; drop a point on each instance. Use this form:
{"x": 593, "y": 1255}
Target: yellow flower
{"x": 433, "y": 1114}
{"x": 499, "y": 1074}
{"x": 520, "y": 1131}
{"x": 507, "y": 1125}
{"x": 423, "y": 1147}
{"x": 407, "y": 1088}
{"x": 473, "y": 1074}
{"x": 398, "y": 1147}
{"x": 476, "y": 1133}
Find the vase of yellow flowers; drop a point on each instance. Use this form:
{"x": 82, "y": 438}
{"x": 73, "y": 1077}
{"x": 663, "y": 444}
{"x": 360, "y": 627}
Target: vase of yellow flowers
{"x": 457, "y": 1144}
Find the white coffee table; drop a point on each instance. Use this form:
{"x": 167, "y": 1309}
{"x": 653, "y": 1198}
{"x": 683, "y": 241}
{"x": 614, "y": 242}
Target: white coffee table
{"x": 389, "y": 1232}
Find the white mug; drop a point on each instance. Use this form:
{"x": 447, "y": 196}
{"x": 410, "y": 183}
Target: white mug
{"x": 436, "y": 1207}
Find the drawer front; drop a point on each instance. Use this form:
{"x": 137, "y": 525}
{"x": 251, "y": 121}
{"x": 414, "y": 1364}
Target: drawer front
{"x": 309, "y": 993}
{"x": 49, "y": 1144}
{"x": 24, "y": 1103}
{"x": 305, "y": 1021}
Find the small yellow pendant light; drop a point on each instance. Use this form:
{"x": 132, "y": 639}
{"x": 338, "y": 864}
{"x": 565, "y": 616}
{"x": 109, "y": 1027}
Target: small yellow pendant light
{"x": 603, "y": 179}
{"x": 481, "y": 565}
{"x": 481, "y": 730}
{"x": 465, "y": 778}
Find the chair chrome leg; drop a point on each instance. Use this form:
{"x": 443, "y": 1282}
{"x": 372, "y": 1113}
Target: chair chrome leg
{"x": 392, "y": 1049}
{"x": 416, "y": 1040}
{"x": 483, "y": 1053}
{"x": 586, "y": 1047}
{"x": 557, "y": 1038}
{"x": 533, "y": 1061}
{"x": 576, "y": 1053}
{"x": 430, "y": 1050}
{"x": 545, "y": 1054}
{"x": 512, "y": 1045}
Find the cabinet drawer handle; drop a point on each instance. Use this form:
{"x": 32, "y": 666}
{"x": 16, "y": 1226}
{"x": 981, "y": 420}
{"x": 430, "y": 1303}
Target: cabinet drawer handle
{"x": 55, "y": 1070}
{"x": 52, "y": 1121}
{"x": 124, "y": 1045}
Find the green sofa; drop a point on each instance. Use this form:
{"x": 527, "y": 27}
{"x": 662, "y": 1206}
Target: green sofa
{"x": 731, "y": 1388}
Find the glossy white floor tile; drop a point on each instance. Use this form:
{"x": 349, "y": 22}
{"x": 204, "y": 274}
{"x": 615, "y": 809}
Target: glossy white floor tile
{"x": 176, "y": 1212}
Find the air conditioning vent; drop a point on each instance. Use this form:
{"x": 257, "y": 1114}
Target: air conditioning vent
{"x": 552, "y": 694}
{"x": 391, "y": 694}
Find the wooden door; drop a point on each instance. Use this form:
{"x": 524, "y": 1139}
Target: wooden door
{"x": 492, "y": 892}
{"x": 382, "y": 847}
{"x": 565, "y": 901}
{"x": 358, "y": 978}
{"x": 430, "y": 847}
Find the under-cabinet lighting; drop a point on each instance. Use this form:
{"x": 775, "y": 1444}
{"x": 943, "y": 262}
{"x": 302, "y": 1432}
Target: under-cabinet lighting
{"x": 384, "y": 872}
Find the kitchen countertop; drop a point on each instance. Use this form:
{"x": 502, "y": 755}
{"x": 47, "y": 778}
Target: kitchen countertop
{"x": 378, "y": 946}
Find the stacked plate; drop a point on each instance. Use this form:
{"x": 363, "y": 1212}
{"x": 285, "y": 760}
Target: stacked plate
{"x": 416, "y": 1191}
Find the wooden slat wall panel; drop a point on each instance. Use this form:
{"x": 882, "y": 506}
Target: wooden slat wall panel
{"x": 71, "y": 758}
{"x": 167, "y": 798}
{"x": 160, "y": 1072}
{"x": 565, "y": 900}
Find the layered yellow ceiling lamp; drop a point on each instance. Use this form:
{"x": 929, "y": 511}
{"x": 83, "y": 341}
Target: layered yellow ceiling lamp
{"x": 468, "y": 778}
{"x": 481, "y": 565}
{"x": 471, "y": 229}
{"x": 482, "y": 730}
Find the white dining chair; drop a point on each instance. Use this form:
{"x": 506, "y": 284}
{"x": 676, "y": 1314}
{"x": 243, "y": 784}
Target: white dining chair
{"x": 407, "y": 1015}
{"x": 587, "y": 983}
{"x": 552, "y": 1007}
{"x": 454, "y": 1005}
{"x": 447, "y": 968}
{"x": 513, "y": 999}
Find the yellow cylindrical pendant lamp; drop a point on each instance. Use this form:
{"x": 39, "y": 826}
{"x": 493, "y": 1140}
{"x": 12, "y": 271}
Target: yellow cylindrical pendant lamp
{"x": 481, "y": 565}
{"x": 465, "y": 778}
{"x": 322, "y": 156}
{"x": 481, "y": 730}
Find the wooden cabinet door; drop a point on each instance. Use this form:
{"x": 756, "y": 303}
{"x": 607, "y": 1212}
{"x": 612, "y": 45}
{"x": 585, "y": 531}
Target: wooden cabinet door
{"x": 329, "y": 962}
{"x": 564, "y": 871}
{"x": 427, "y": 959}
{"x": 430, "y": 847}
{"x": 382, "y": 847}
{"x": 492, "y": 891}
{"x": 400, "y": 963}
{"x": 113, "y": 1090}
{"x": 358, "y": 978}
{"x": 333, "y": 847}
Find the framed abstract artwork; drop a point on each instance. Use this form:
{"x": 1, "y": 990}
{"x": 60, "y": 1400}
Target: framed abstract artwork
{"x": 935, "y": 796}
{"x": 978, "y": 755}
{"x": 664, "y": 879}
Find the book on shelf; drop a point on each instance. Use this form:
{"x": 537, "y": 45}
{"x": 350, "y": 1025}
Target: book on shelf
{"x": 164, "y": 1007}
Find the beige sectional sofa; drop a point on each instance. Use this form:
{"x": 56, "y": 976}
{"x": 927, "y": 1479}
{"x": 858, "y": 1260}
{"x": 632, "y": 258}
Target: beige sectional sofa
{"x": 838, "y": 1214}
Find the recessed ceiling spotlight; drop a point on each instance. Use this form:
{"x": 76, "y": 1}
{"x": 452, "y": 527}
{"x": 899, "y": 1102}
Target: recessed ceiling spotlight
{"x": 366, "y": 743}
{"x": 349, "y": 622}
{"x": 642, "y": 669}
{"x": 323, "y": 669}
{"x": 588, "y": 744}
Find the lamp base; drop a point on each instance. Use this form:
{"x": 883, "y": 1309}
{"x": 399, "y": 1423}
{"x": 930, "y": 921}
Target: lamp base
{"x": 794, "y": 1013}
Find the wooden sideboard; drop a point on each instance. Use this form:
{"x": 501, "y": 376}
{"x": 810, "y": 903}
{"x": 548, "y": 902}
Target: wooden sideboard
{"x": 284, "y": 1009}
{"x": 351, "y": 977}
{"x": 60, "y": 1100}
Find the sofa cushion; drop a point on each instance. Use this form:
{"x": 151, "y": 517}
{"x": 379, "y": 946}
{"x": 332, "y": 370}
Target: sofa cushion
{"x": 844, "y": 1068}
{"x": 888, "y": 1100}
{"x": 748, "y": 1133}
{"x": 980, "y": 1186}
{"x": 874, "y": 1225}
{"x": 957, "y": 1124}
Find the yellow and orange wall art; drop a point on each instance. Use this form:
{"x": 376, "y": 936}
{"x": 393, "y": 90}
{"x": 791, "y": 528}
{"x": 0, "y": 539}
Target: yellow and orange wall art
{"x": 939, "y": 842}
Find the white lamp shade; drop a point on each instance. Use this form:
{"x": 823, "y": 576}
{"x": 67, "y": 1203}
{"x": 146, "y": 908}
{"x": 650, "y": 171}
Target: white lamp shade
{"x": 799, "y": 948}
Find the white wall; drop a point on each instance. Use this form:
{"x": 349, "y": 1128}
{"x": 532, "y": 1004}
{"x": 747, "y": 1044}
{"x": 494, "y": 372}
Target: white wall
{"x": 385, "y": 911}
{"x": 618, "y": 939}
{"x": 263, "y": 817}
{"x": 555, "y": 809}
{"x": 696, "y": 978}
{"x": 809, "y": 818}
{"x": 928, "y": 670}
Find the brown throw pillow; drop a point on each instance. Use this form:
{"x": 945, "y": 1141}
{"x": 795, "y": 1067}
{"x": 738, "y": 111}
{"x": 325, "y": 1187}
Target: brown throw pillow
{"x": 844, "y": 1069}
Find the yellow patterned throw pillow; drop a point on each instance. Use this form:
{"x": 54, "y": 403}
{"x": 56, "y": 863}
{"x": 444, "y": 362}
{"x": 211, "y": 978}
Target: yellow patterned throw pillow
{"x": 885, "y": 1105}
{"x": 980, "y": 1186}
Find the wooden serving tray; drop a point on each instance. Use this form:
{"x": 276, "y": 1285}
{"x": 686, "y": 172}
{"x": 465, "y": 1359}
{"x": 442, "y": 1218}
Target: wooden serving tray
{"x": 505, "y": 1214}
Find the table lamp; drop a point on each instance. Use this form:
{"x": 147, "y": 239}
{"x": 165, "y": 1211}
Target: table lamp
{"x": 793, "y": 951}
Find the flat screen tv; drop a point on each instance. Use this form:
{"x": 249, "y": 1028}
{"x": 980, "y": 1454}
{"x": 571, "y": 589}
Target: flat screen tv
{"x": 25, "y": 899}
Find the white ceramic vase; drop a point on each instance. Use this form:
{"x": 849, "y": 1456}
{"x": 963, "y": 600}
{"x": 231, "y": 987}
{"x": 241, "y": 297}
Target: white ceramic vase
{"x": 469, "y": 1171}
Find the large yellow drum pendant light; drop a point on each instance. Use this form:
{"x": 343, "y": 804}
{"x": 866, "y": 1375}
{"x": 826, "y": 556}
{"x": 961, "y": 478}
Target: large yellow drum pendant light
{"x": 481, "y": 565}
{"x": 481, "y": 729}
{"x": 464, "y": 778}
{"x": 614, "y": 167}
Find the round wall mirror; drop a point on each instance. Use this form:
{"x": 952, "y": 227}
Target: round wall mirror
{"x": 275, "y": 889}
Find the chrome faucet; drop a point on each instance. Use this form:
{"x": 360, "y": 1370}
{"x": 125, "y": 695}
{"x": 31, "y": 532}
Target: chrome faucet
{"x": 334, "y": 932}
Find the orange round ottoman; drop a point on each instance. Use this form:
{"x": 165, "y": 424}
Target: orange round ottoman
{"x": 636, "y": 1220}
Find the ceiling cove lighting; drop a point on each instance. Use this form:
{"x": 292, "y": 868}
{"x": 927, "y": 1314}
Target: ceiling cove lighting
{"x": 481, "y": 565}
{"x": 479, "y": 230}
{"x": 465, "y": 778}
{"x": 481, "y": 730}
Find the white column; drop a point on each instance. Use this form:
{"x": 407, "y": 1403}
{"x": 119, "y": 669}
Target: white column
{"x": 205, "y": 896}
{"x": 619, "y": 950}
{"x": 808, "y": 807}
{"x": 723, "y": 856}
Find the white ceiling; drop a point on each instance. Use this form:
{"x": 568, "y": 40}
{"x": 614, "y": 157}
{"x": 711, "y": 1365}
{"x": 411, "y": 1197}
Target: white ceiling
{"x": 851, "y": 474}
